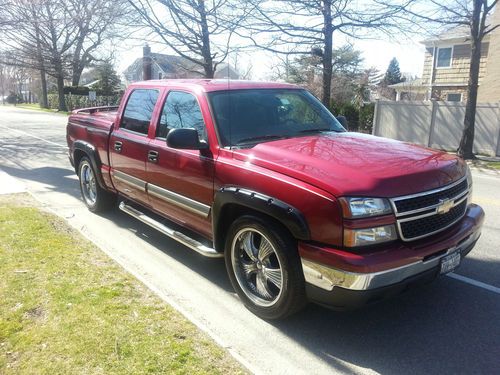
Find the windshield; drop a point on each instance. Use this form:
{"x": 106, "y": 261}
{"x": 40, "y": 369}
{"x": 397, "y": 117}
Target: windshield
{"x": 247, "y": 117}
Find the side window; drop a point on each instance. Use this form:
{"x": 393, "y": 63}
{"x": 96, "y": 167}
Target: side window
{"x": 181, "y": 110}
{"x": 139, "y": 110}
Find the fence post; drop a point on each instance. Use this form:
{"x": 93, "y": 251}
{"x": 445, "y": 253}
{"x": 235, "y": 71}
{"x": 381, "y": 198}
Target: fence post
{"x": 433, "y": 121}
{"x": 375, "y": 117}
{"x": 498, "y": 122}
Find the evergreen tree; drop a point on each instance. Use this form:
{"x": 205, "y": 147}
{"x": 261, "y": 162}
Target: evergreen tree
{"x": 109, "y": 82}
{"x": 393, "y": 74}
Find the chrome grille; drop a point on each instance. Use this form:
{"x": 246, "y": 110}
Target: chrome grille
{"x": 421, "y": 215}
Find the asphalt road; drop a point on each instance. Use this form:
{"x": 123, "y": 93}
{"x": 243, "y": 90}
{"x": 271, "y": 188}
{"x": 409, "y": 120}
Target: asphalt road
{"x": 449, "y": 327}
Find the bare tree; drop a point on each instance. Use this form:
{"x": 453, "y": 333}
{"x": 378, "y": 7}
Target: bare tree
{"x": 6, "y": 80}
{"x": 309, "y": 25}
{"x": 199, "y": 31}
{"x": 96, "y": 21}
{"x": 475, "y": 15}
{"x": 56, "y": 37}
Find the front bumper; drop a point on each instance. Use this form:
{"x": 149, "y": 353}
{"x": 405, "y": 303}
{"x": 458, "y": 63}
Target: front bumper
{"x": 350, "y": 280}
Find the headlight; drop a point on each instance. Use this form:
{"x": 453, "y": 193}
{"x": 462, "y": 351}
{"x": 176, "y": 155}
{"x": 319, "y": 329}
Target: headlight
{"x": 354, "y": 208}
{"x": 369, "y": 236}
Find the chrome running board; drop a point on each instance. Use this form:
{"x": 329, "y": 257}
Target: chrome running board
{"x": 173, "y": 234}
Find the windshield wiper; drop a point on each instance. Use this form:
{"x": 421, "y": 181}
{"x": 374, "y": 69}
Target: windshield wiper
{"x": 269, "y": 137}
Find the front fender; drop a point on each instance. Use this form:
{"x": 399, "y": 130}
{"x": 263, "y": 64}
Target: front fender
{"x": 287, "y": 215}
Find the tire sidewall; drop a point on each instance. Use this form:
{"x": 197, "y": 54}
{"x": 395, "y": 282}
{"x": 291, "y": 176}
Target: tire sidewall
{"x": 92, "y": 207}
{"x": 284, "y": 247}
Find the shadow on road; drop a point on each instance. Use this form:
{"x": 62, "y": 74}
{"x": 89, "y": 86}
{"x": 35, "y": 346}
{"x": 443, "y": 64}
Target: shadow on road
{"x": 446, "y": 327}
{"x": 55, "y": 179}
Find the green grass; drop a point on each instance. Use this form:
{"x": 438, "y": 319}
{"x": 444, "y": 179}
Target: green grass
{"x": 484, "y": 164}
{"x": 66, "y": 308}
{"x": 493, "y": 164}
{"x": 38, "y": 108}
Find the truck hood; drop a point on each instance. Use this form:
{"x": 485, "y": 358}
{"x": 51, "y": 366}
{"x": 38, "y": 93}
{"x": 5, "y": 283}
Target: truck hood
{"x": 354, "y": 164}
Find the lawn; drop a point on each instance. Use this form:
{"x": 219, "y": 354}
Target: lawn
{"x": 66, "y": 308}
{"x": 493, "y": 165}
{"x": 38, "y": 108}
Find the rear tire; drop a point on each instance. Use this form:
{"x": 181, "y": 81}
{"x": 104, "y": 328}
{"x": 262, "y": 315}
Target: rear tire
{"x": 264, "y": 267}
{"x": 95, "y": 197}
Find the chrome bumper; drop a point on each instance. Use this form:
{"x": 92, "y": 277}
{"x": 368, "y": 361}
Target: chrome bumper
{"x": 327, "y": 278}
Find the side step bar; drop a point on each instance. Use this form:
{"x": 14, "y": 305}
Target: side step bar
{"x": 175, "y": 235}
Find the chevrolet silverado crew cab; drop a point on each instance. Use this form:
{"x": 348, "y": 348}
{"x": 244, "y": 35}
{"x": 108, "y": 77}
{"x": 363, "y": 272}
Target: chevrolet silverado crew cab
{"x": 265, "y": 176}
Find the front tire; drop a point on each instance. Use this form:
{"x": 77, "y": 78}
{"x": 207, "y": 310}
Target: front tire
{"x": 95, "y": 197}
{"x": 264, "y": 267}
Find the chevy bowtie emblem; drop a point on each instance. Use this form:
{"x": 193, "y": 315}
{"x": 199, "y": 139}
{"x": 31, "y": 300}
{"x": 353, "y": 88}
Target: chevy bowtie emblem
{"x": 445, "y": 205}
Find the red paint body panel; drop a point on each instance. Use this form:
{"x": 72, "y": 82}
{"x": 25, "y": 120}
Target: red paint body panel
{"x": 354, "y": 164}
{"x": 309, "y": 173}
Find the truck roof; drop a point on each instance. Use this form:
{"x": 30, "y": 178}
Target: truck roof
{"x": 208, "y": 85}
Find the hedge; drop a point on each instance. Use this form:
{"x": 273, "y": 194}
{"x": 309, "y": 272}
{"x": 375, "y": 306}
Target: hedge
{"x": 80, "y": 101}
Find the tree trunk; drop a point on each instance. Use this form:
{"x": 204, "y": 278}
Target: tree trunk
{"x": 77, "y": 73}
{"x": 465, "y": 149}
{"x": 208, "y": 64}
{"x": 43, "y": 83}
{"x": 327, "y": 53}
{"x": 60, "y": 93}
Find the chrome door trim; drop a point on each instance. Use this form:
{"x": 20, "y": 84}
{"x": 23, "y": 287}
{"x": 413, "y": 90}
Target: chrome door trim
{"x": 129, "y": 180}
{"x": 179, "y": 200}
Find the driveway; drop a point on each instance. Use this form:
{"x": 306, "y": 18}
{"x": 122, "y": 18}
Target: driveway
{"x": 450, "y": 326}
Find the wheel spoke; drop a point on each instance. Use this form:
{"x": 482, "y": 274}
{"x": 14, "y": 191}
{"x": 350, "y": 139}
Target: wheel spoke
{"x": 262, "y": 287}
{"x": 247, "y": 245}
{"x": 273, "y": 275}
{"x": 265, "y": 250}
{"x": 249, "y": 268}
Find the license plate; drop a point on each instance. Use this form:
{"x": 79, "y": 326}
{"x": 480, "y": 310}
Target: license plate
{"x": 450, "y": 262}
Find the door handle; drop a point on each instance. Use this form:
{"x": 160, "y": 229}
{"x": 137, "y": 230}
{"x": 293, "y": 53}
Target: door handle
{"x": 153, "y": 156}
{"x": 118, "y": 146}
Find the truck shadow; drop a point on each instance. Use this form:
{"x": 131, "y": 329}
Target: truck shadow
{"x": 445, "y": 327}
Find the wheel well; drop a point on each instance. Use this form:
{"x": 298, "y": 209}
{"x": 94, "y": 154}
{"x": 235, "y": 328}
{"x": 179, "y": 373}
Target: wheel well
{"x": 229, "y": 213}
{"x": 77, "y": 157}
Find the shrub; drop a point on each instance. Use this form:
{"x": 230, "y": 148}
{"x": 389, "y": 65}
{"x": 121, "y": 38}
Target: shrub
{"x": 80, "y": 101}
{"x": 359, "y": 119}
{"x": 13, "y": 98}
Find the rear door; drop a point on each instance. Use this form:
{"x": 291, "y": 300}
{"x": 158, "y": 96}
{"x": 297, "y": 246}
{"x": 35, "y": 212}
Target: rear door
{"x": 180, "y": 182}
{"x": 129, "y": 144}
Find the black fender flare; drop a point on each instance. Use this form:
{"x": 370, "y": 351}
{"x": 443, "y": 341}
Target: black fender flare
{"x": 286, "y": 214}
{"x": 89, "y": 150}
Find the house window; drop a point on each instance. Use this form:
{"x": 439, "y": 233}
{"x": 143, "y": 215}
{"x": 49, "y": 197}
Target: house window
{"x": 454, "y": 97}
{"x": 444, "y": 57}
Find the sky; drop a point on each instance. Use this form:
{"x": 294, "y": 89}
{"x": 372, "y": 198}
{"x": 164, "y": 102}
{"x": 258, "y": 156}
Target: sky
{"x": 375, "y": 52}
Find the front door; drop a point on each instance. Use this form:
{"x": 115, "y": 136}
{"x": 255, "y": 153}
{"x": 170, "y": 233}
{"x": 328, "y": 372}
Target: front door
{"x": 180, "y": 182}
{"x": 129, "y": 145}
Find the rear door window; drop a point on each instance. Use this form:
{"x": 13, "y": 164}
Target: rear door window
{"x": 139, "y": 110}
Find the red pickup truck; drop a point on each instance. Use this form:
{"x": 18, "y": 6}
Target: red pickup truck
{"x": 265, "y": 176}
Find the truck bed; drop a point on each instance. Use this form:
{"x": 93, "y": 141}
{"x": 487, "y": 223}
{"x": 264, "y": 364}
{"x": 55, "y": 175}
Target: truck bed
{"x": 92, "y": 125}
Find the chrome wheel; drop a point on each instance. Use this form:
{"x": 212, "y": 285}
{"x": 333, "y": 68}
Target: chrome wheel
{"x": 257, "y": 267}
{"x": 88, "y": 183}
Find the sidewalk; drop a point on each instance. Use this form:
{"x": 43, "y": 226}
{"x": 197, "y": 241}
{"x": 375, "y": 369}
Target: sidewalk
{"x": 10, "y": 185}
